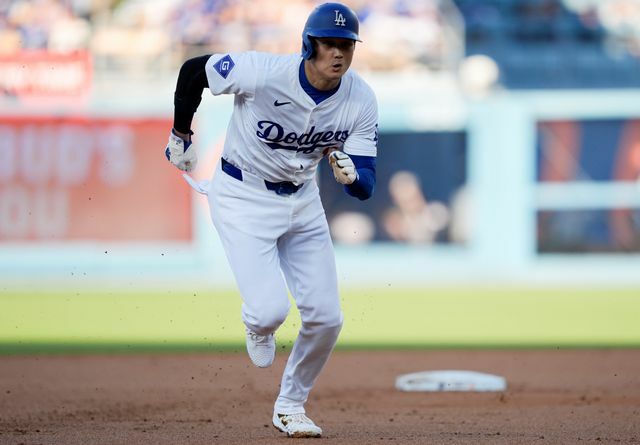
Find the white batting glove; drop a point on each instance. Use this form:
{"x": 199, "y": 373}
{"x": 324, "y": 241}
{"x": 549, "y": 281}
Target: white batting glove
{"x": 179, "y": 153}
{"x": 343, "y": 168}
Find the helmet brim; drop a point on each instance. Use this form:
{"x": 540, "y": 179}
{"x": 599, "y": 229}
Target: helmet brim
{"x": 337, "y": 33}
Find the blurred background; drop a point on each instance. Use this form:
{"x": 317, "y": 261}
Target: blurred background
{"x": 509, "y": 153}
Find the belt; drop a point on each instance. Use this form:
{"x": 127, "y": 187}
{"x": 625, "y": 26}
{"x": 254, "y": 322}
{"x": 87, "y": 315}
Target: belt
{"x": 281, "y": 188}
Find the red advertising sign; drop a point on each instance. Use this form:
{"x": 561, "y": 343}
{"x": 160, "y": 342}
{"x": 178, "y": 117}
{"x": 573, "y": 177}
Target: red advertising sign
{"x": 90, "y": 179}
{"x": 42, "y": 73}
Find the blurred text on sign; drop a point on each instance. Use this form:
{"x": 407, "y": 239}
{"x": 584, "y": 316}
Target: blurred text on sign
{"x": 43, "y": 73}
{"x": 80, "y": 178}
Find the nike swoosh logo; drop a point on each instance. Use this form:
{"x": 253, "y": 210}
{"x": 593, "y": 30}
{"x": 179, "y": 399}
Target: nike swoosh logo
{"x": 279, "y": 104}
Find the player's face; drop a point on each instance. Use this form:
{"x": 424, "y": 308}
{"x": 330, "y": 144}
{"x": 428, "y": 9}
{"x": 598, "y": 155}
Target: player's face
{"x": 333, "y": 57}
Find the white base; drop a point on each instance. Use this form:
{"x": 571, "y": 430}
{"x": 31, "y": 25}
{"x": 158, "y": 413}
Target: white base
{"x": 450, "y": 380}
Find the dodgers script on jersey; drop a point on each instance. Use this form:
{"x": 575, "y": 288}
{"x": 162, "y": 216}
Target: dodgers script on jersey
{"x": 277, "y": 131}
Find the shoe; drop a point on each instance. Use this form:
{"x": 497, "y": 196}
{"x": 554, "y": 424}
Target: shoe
{"x": 261, "y": 349}
{"x": 296, "y": 425}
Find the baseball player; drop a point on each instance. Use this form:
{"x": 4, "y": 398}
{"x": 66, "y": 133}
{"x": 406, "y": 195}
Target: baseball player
{"x": 290, "y": 112}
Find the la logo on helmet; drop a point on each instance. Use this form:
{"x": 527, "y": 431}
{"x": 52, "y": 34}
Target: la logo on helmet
{"x": 340, "y": 20}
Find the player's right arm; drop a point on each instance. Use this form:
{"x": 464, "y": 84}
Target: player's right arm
{"x": 233, "y": 73}
{"x": 192, "y": 80}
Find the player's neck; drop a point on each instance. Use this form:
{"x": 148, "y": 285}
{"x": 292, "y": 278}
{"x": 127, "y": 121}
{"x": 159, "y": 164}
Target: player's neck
{"x": 316, "y": 79}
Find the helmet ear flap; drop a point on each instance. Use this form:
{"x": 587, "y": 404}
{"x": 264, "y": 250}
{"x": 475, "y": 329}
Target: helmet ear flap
{"x": 307, "y": 47}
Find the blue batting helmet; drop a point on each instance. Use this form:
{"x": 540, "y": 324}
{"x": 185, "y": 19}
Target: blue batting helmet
{"x": 329, "y": 20}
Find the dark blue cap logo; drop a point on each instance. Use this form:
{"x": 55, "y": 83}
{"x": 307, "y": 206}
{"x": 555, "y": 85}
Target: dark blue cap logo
{"x": 224, "y": 66}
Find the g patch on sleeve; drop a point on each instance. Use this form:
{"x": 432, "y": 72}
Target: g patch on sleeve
{"x": 224, "y": 66}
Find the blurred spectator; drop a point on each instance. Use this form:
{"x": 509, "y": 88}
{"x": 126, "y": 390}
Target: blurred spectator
{"x": 401, "y": 34}
{"x": 135, "y": 38}
{"x": 557, "y": 43}
{"x": 398, "y": 33}
{"x": 413, "y": 219}
{"x": 69, "y": 33}
{"x": 10, "y": 41}
{"x": 407, "y": 35}
{"x": 42, "y": 24}
{"x": 194, "y": 24}
{"x": 156, "y": 34}
{"x": 620, "y": 18}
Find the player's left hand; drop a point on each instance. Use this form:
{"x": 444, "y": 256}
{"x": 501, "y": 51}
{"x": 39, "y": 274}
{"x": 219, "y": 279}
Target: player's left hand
{"x": 343, "y": 167}
{"x": 179, "y": 153}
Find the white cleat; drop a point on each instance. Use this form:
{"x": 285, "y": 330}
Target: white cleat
{"x": 261, "y": 349}
{"x": 296, "y": 425}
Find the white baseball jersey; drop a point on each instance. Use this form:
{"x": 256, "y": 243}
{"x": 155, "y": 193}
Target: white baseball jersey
{"x": 277, "y": 243}
{"x": 277, "y": 131}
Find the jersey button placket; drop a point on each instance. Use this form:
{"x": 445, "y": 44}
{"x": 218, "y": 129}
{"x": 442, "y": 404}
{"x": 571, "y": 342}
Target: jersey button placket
{"x": 307, "y": 127}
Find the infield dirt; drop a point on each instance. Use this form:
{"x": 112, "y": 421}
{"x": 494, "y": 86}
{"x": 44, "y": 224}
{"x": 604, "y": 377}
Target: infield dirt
{"x": 553, "y": 397}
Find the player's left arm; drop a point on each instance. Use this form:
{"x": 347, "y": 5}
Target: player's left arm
{"x": 365, "y": 183}
{"x": 357, "y": 173}
{"x": 361, "y": 149}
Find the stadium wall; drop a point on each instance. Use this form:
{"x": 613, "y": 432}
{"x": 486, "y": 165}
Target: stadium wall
{"x": 503, "y": 198}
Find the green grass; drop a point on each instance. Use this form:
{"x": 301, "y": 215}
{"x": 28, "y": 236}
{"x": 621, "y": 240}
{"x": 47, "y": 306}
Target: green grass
{"x": 84, "y": 321}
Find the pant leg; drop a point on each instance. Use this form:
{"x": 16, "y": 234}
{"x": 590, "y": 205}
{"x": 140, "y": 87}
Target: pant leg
{"x": 308, "y": 263}
{"x": 249, "y": 221}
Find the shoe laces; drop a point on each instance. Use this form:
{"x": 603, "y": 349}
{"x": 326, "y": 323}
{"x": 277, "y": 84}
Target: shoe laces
{"x": 259, "y": 339}
{"x": 296, "y": 418}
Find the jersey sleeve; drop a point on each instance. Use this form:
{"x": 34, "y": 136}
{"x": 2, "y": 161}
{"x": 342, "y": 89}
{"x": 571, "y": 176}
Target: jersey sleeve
{"x": 232, "y": 73}
{"x": 363, "y": 141}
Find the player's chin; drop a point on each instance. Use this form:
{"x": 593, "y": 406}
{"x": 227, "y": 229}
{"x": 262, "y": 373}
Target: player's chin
{"x": 336, "y": 72}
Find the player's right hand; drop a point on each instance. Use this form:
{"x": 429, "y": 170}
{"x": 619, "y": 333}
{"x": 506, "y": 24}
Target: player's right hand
{"x": 180, "y": 154}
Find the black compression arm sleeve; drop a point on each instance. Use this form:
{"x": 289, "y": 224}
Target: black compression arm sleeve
{"x": 192, "y": 79}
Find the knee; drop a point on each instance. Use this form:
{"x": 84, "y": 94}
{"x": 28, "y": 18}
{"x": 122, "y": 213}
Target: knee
{"x": 334, "y": 320}
{"x": 324, "y": 320}
{"x": 267, "y": 319}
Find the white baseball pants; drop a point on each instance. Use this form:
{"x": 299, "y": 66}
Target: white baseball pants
{"x": 267, "y": 236}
